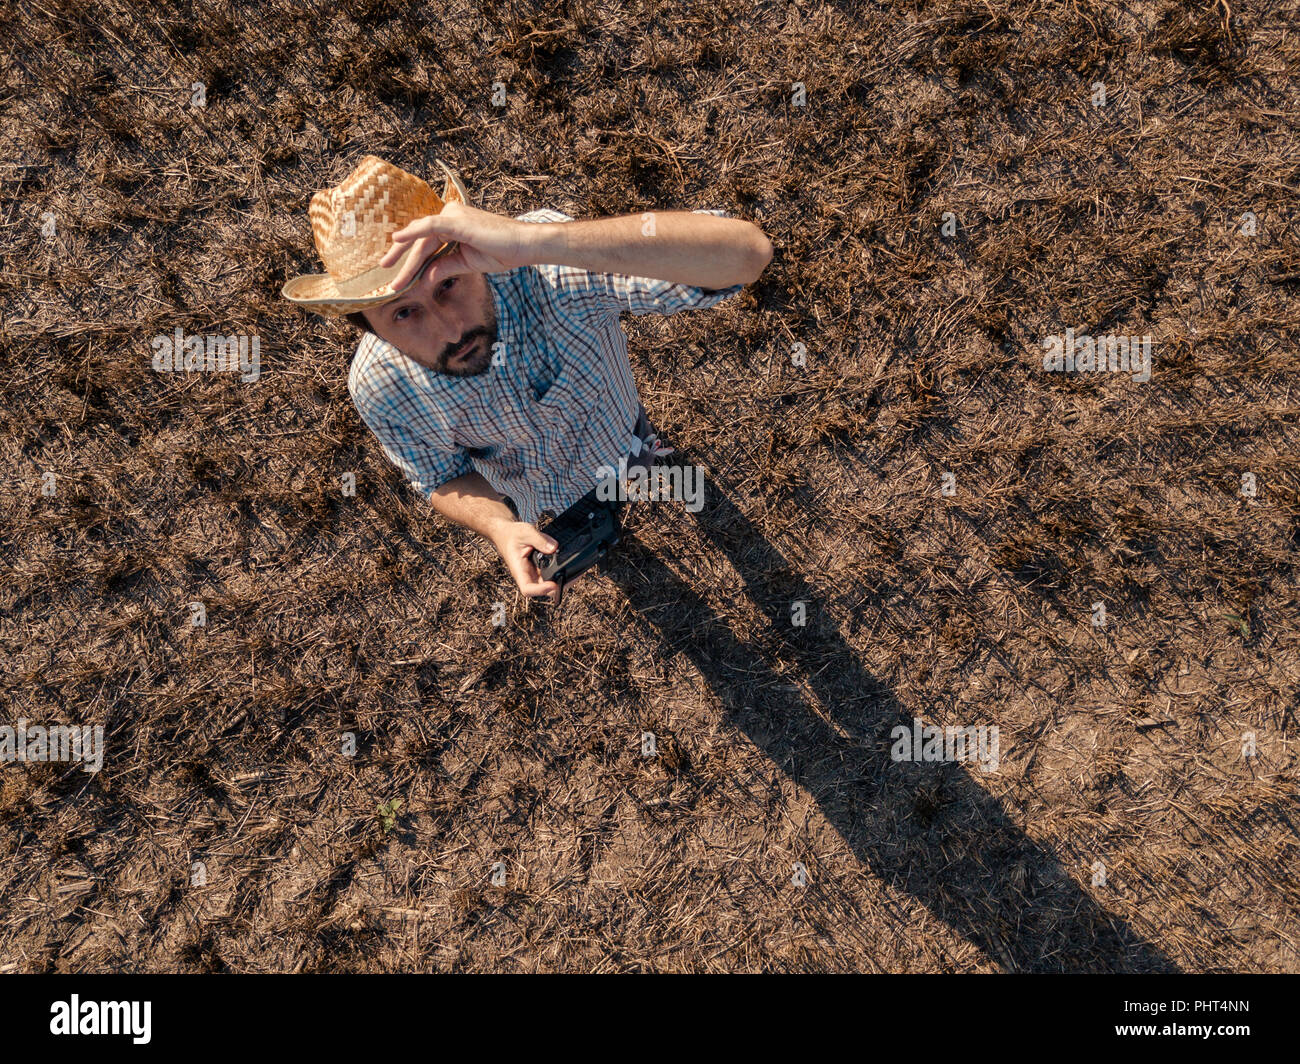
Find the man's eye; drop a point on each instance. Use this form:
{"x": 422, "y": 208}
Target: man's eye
{"x": 448, "y": 283}
{"x": 401, "y": 314}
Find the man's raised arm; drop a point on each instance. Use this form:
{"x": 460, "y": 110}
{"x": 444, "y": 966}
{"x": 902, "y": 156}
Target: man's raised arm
{"x": 681, "y": 247}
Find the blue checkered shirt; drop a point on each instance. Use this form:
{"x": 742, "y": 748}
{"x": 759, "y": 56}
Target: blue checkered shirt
{"x": 558, "y": 404}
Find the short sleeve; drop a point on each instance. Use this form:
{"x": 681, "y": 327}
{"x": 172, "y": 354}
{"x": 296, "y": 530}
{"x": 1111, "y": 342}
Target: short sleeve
{"x": 426, "y": 465}
{"x": 585, "y": 292}
{"x": 544, "y": 216}
{"x": 417, "y": 444}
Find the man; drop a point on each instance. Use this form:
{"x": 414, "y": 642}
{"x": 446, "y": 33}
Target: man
{"x": 494, "y": 372}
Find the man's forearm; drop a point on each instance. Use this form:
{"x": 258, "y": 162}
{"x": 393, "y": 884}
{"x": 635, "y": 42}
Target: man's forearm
{"x": 684, "y": 248}
{"x": 471, "y": 501}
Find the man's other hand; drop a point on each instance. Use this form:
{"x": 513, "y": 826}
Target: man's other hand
{"x": 515, "y": 543}
{"x": 488, "y": 243}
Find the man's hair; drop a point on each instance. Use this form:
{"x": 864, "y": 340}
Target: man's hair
{"x": 359, "y": 320}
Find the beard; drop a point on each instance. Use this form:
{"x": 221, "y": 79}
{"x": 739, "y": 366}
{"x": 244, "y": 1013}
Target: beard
{"x": 477, "y": 356}
{"x": 478, "y": 342}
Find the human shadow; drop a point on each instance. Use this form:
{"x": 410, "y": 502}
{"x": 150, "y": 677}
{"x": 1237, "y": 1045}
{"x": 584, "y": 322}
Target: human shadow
{"x": 927, "y": 828}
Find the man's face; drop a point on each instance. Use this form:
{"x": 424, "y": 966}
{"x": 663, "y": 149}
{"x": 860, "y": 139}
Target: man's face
{"x": 448, "y": 327}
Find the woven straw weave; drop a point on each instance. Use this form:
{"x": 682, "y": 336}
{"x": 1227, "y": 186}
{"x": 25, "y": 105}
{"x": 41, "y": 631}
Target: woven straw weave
{"x": 352, "y": 225}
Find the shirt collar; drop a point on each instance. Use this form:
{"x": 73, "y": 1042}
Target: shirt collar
{"x": 507, "y": 325}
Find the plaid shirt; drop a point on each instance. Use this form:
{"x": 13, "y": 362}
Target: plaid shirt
{"x": 559, "y": 404}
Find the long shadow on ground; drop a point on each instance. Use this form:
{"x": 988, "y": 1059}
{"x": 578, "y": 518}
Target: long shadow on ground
{"x": 929, "y": 829}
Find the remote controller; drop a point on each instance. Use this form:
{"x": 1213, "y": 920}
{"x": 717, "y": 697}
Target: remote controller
{"x": 586, "y": 532}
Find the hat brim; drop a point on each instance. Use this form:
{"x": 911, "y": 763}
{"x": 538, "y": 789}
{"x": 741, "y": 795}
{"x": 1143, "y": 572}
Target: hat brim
{"x": 320, "y": 292}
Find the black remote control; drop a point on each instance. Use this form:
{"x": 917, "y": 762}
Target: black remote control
{"x": 586, "y": 532}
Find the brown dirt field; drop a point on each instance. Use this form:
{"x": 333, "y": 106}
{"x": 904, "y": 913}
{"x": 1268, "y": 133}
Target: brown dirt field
{"x": 1121, "y": 746}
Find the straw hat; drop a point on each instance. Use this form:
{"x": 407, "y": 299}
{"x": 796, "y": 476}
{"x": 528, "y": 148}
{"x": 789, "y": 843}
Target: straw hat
{"x": 353, "y": 224}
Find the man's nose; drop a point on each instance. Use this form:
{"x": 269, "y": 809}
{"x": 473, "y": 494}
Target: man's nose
{"x": 447, "y": 327}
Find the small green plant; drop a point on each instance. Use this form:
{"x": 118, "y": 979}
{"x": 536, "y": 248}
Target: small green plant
{"x": 1245, "y": 624}
{"x": 388, "y": 813}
